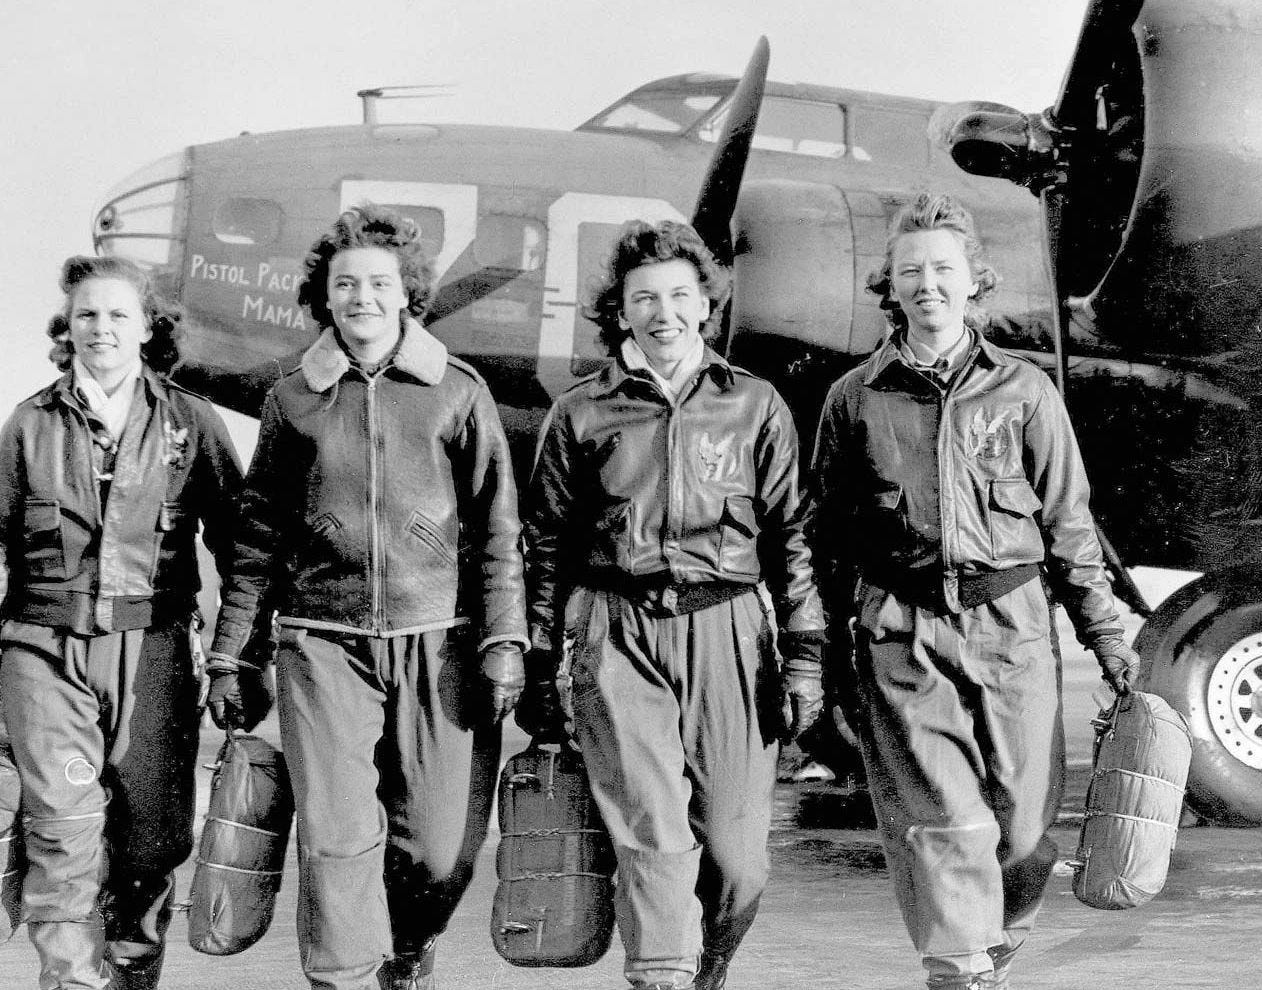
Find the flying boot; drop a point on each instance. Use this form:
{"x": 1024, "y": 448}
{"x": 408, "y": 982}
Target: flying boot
{"x": 712, "y": 974}
{"x": 409, "y": 970}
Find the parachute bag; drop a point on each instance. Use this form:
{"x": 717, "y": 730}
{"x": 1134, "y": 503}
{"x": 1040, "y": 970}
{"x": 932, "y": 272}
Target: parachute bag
{"x": 241, "y": 856}
{"x": 1142, "y": 752}
{"x": 554, "y": 902}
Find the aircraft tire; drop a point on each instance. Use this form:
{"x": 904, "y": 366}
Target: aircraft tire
{"x": 1202, "y": 651}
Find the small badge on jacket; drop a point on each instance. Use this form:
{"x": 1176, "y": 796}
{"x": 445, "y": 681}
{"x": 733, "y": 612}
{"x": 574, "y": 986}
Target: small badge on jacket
{"x": 718, "y": 462}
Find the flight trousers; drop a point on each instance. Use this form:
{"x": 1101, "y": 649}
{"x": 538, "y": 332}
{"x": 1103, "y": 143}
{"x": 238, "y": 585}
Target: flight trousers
{"x": 104, "y": 736}
{"x": 677, "y": 717}
{"x": 965, "y": 755}
{"x": 392, "y": 789}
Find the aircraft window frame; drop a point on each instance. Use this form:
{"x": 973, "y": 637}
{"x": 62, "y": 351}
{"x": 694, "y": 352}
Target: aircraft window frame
{"x": 832, "y": 143}
{"x": 157, "y": 203}
{"x": 257, "y": 224}
{"x": 908, "y": 147}
{"x": 426, "y": 219}
{"x": 636, "y": 112}
{"x": 530, "y": 245}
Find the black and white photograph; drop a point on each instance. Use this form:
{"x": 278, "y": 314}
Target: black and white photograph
{"x": 691, "y": 496}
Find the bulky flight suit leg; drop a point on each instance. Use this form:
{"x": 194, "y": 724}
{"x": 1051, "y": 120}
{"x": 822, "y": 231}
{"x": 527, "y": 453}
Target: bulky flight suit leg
{"x": 676, "y": 717}
{"x": 116, "y": 711}
{"x": 965, "y": 756}
{"x": 392, "y": 795}
{"x": 438, "y": 781}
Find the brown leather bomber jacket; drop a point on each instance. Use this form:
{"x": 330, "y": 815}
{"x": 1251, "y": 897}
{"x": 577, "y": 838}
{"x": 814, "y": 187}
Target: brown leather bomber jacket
{"x": 631, "y": 492}
{"x": 74, "y": 563}
{"x": 917, "y": 486}
{"x": 379, "y": 505}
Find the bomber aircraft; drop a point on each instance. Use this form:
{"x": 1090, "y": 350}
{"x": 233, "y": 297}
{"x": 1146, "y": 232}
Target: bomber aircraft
{"x": 794, "y": 185}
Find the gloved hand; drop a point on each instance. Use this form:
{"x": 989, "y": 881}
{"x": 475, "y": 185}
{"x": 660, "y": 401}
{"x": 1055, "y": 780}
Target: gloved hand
{"x": 240, "y": 697}
{"x": 801, "y": 680}
{"x": 539, "y": 712}
{"x": 1119, "y": 664}
{"x": 504, "y": 674}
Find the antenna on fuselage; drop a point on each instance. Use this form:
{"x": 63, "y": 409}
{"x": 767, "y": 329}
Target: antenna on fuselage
{"x": 420, "y": 91}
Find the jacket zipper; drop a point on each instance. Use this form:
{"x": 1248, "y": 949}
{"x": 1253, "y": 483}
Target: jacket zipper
{"x": 375, "y": 553}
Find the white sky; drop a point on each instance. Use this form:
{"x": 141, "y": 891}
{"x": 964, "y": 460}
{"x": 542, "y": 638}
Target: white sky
{"x": 90, "y": 92}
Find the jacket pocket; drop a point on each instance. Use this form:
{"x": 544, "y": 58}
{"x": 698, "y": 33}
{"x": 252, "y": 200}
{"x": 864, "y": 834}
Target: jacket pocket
{"x": 428, "y": 533}
{"x": 1014, "y": 528}
{"x": 611, "y": 545}
{"x": 44, "y": 554}
{"x": 173, "y": 548}
{"x": 883, "y": 519}
{"x": 738, "y": 537}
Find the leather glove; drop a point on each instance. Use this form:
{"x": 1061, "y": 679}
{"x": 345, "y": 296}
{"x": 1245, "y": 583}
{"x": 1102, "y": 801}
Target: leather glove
{"x": 1119, "y": 664}
{"x": 801, "y": 680}
{"x": 539, "y": 713}
{"x": 239, "y": 698}
{"x": 504, "y": 675}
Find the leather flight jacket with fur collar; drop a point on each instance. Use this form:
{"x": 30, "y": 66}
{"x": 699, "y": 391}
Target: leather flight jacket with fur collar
{"x": 380, "y": 504}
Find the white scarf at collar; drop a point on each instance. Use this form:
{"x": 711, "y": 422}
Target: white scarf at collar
{"x": 635, "y": 359}
{"x": 113, "y": 409}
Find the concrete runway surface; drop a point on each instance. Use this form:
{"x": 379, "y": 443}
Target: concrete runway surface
{"x": 828, "y": 919}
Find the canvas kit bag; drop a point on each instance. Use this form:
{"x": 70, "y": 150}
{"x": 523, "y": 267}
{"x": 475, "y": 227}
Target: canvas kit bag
{"x": 554, "y": 902}
{"x": 241, "y": 855}
{"x": 1134, "y": 801}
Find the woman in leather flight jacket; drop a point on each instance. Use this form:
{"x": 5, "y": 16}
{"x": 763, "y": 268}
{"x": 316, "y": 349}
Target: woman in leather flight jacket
{"x": 665, "y": 491}
{"x": 380, "y": 516}
{"x": 949, "y": 490}
{"x": 105, "y": 476}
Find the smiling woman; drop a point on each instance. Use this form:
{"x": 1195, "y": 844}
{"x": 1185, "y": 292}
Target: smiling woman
{"x": 107, "y": 327}
{"x": 367, "y": 300}
{"x": 98, "y": 581}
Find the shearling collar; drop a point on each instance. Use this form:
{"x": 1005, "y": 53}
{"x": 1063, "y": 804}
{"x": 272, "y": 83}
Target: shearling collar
{"x": 420, "y": 354}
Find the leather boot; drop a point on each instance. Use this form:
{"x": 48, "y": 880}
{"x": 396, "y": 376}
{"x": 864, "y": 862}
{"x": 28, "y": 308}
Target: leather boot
{"x": 712, "y": 974}
{"x": 138, "y": 974}
{"x": 409, "y": 970}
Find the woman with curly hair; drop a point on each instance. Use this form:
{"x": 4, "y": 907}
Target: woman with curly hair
{"x": 950, "y": 499}
{"x": 381, "y": 486}
{"x": 666, "y": 490}
{"x": 105, "y": 476}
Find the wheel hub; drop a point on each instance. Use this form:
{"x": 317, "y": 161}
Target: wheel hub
{"x": 1234, "y": 700}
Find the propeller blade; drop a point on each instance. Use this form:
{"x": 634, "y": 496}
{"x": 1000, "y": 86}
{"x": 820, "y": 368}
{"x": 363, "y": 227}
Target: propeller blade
{"x": 716, "y": 202}
{"x": 1105, "y": 22}
{"x": 450, "y": 297}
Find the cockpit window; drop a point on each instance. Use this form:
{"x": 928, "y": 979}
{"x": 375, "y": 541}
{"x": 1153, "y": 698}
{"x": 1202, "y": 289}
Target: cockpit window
{"x": 799, "y": 127}
{"x": 141, "y": 217}
{"x": 888, "y": 135}
{"x": 662, "y": 112}
{"x": 241, "y": 220}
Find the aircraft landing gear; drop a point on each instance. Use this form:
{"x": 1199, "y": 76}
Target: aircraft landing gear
{"x": 1202, "y": 653}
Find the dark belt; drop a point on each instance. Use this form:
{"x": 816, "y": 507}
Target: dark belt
{"x": 672, "y": 599}
{"x": 974, "y": 589}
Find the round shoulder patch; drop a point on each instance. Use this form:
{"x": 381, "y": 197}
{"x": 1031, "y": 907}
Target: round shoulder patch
{"x": 79, "y": 771}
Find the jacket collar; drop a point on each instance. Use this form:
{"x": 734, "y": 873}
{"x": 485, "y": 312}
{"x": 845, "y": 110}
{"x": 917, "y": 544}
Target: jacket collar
{"x": 616, "y": 375}
{"x": 889, "y": 354}
{"x": 420, "y": 355}
{"x": 62, "y": 390}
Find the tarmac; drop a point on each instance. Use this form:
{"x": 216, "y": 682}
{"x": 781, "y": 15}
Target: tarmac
{"x": 828, "y": 919}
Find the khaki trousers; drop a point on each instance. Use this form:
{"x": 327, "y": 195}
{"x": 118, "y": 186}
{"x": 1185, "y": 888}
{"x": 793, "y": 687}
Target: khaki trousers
{"x": 677, "y": 717}
{"x": 104, "y": 735}
{"x": 392, "y": 789}
{"x": 965, "y": 755}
